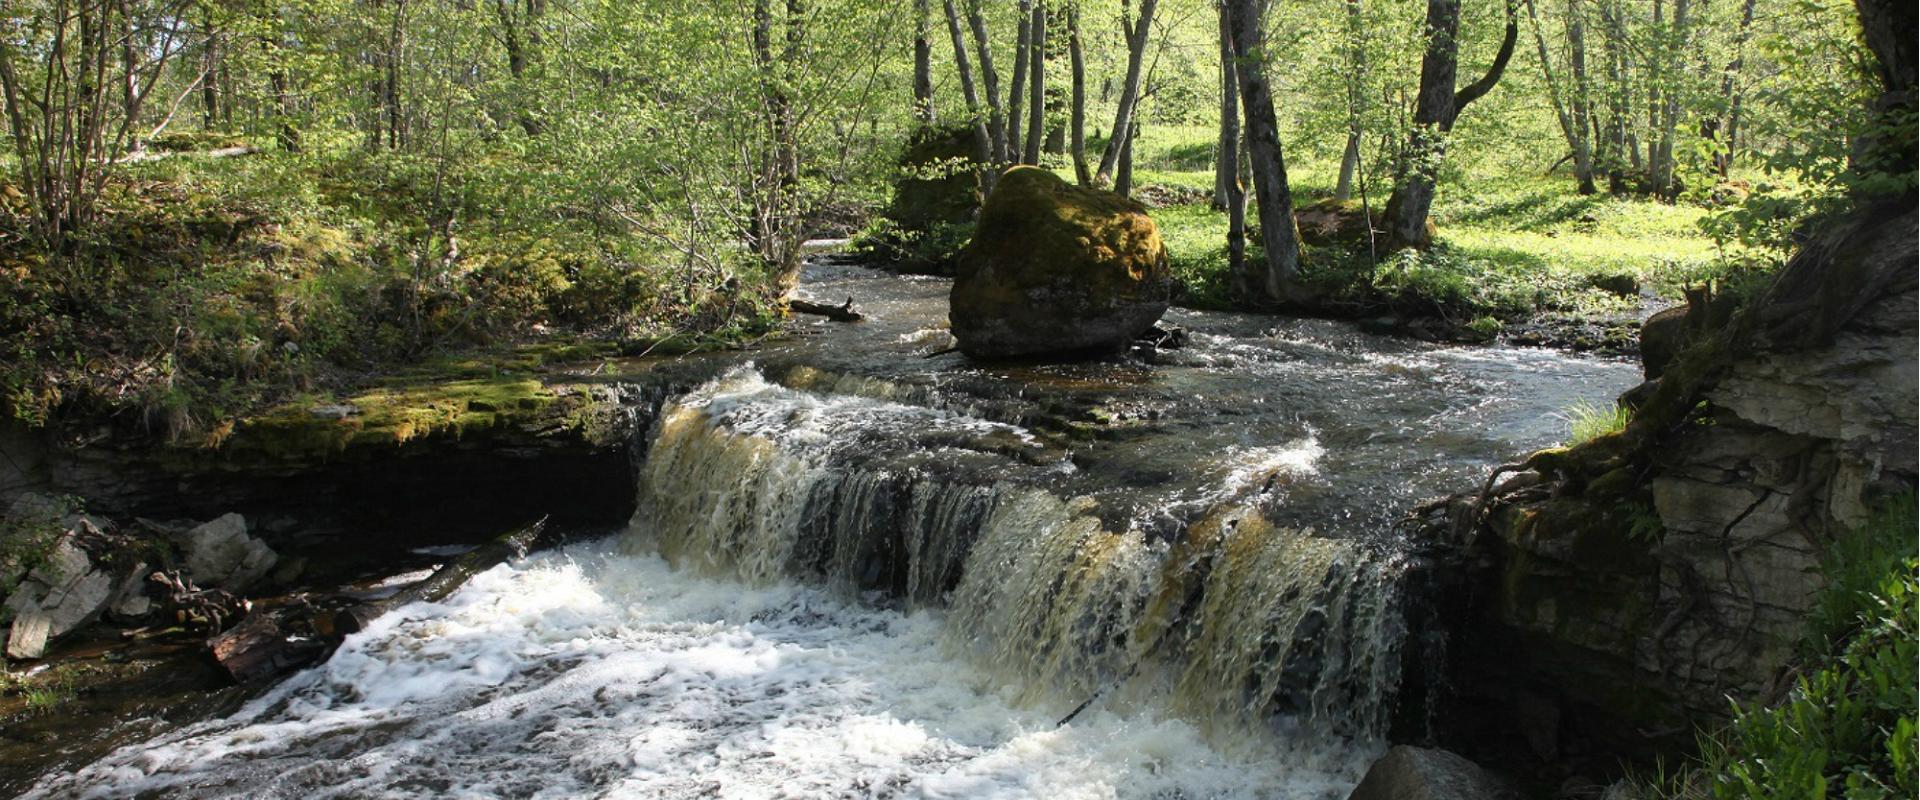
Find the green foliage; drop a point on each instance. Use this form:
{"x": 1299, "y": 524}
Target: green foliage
{"x": 1587, "y": 421}
{"x": 43, "y": 693}
{"x": 1643, "y": 523}
{"x": 1847, "y": 727}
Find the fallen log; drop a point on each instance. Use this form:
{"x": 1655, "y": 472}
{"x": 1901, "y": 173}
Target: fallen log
{"x": 445, "y": 580}
{"x": 840, "y": 313}
{"x": 223, "y": 152}
{"x": 272, "y": 641}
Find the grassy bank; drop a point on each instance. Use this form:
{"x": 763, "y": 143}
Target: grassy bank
{"x": 212, "y": 287}
{"x": 1509, "y": 247}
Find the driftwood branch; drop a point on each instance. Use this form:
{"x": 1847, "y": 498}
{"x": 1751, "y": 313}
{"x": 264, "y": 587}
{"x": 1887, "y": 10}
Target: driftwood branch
{"x": 840, "y": 313}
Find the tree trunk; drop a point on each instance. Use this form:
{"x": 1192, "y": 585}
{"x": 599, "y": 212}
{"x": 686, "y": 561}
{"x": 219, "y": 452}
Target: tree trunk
{"x": 990, "y": 80}
{"x": 1618, "y": 100}
{"x": 1233, "y": 198}
{"x": 1436, "y": 108}
{"x": 1349, "y": 164}
{"x": 1077, "y": 127}
{"x": 517, "y": 34}
{"x": 1576, "y": 135}
{"x": 1226, "y": 149}
{"x": 287, "y": 133}
{"x": 923, "y": 63}
{"x": 773, "y": 220}
{"x": 209, "y": 76}
{"x": 1730, "y": 96}
{"x": 983, "y": 139}
{"x": 1276, "y": 280}
{"x": 1674, "y": 46}
{"x": 130, "y": 80}
{"x": 1037, "y": 96}
{"x": 1137, "y": 33}
{"x": 1017, "y": 92}
{"x": 1582, "y": 101}
{"x": 1356, "y": 92}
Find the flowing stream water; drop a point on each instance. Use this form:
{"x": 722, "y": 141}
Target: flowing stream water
{"x": 862, "y": 568}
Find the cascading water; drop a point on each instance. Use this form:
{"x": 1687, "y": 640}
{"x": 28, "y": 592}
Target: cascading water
{"x": 1234, "y": 620}
{"x": 857, "y": 572}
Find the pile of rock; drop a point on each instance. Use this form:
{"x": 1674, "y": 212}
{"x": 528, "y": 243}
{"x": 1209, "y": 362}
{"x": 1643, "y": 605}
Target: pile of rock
{"x": 61, "y": 569}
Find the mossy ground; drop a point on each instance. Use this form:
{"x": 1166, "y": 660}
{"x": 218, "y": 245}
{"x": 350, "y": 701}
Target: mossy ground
{"x": 212, "y": 288}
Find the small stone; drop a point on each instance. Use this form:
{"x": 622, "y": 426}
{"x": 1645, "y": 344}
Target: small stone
{"x": 28, "y": 638}
{"x": 130, "y": 601}
{"x": 1620, "y": 284}
{"x": 341, "y": 411}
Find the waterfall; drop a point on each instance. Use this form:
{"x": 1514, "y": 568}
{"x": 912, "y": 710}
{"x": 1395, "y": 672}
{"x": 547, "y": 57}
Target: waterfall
{"x": 1232, "y": 621}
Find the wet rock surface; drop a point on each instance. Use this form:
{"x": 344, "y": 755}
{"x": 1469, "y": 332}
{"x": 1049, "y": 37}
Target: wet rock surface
{"x": 220, "y": 554}
{"x": 1416, "y": 773}
{"x": 1640, "y": 581}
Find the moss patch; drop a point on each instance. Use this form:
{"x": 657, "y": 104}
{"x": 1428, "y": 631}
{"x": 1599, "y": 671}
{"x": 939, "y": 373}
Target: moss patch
{"x": 386, "y": 416}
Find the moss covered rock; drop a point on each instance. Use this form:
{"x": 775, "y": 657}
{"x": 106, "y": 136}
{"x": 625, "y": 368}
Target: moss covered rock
{"x": 1054, "y": 268}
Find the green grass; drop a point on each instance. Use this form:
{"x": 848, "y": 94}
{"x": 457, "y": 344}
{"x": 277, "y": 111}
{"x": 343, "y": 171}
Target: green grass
{"x": 1508, "y": 248}
{"x": 1587, "y": 421}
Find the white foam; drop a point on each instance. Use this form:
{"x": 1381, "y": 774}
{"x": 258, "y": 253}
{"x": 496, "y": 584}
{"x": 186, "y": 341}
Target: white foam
{"x": 590, "y": 673}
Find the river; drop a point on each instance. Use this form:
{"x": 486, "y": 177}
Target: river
{"x": 864, "y": 568}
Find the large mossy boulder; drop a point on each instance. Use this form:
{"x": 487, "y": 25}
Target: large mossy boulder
{"x": 1057, "y": 269}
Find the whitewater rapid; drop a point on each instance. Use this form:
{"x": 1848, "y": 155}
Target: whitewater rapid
{"x": 593, "y": 672}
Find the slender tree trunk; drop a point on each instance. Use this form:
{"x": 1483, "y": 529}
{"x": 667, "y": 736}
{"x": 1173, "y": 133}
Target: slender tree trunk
{"x": 1123, "y": 174}
{"x": 1137, "y": 34}
{"x": 1037, "y": 97}
{"x": 923, "y": 63}
{"x": 1077, "y": 127}
{"x": 130, "y": 79}
{"x": 1276, "y": 279}
{"x": 518, "y": 32}
{"x": 775, "y": 201}
{"x": 1349, "y": 164}
{"x": 1729, "y": 94}
{"x": 990, "y": 80}
{"x": 1582, "y": 100}
{"x": 1576, "y": 134}
{"x": 1618, "y": 99}
{"x": 210, "y": 74}
{"x": 1233, "y": 193}
{"x": 1226, "y": 164}
{"x": 1356, "y": 58}
{"x": 1436, "y": 108}
{"x": 1674, "y": 47}
{"x": 1017, "y": 93}
{"x": 983, "y": 139}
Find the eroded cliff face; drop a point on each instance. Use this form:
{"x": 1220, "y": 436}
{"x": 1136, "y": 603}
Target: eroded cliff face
{"x": 1628, "y": 588}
